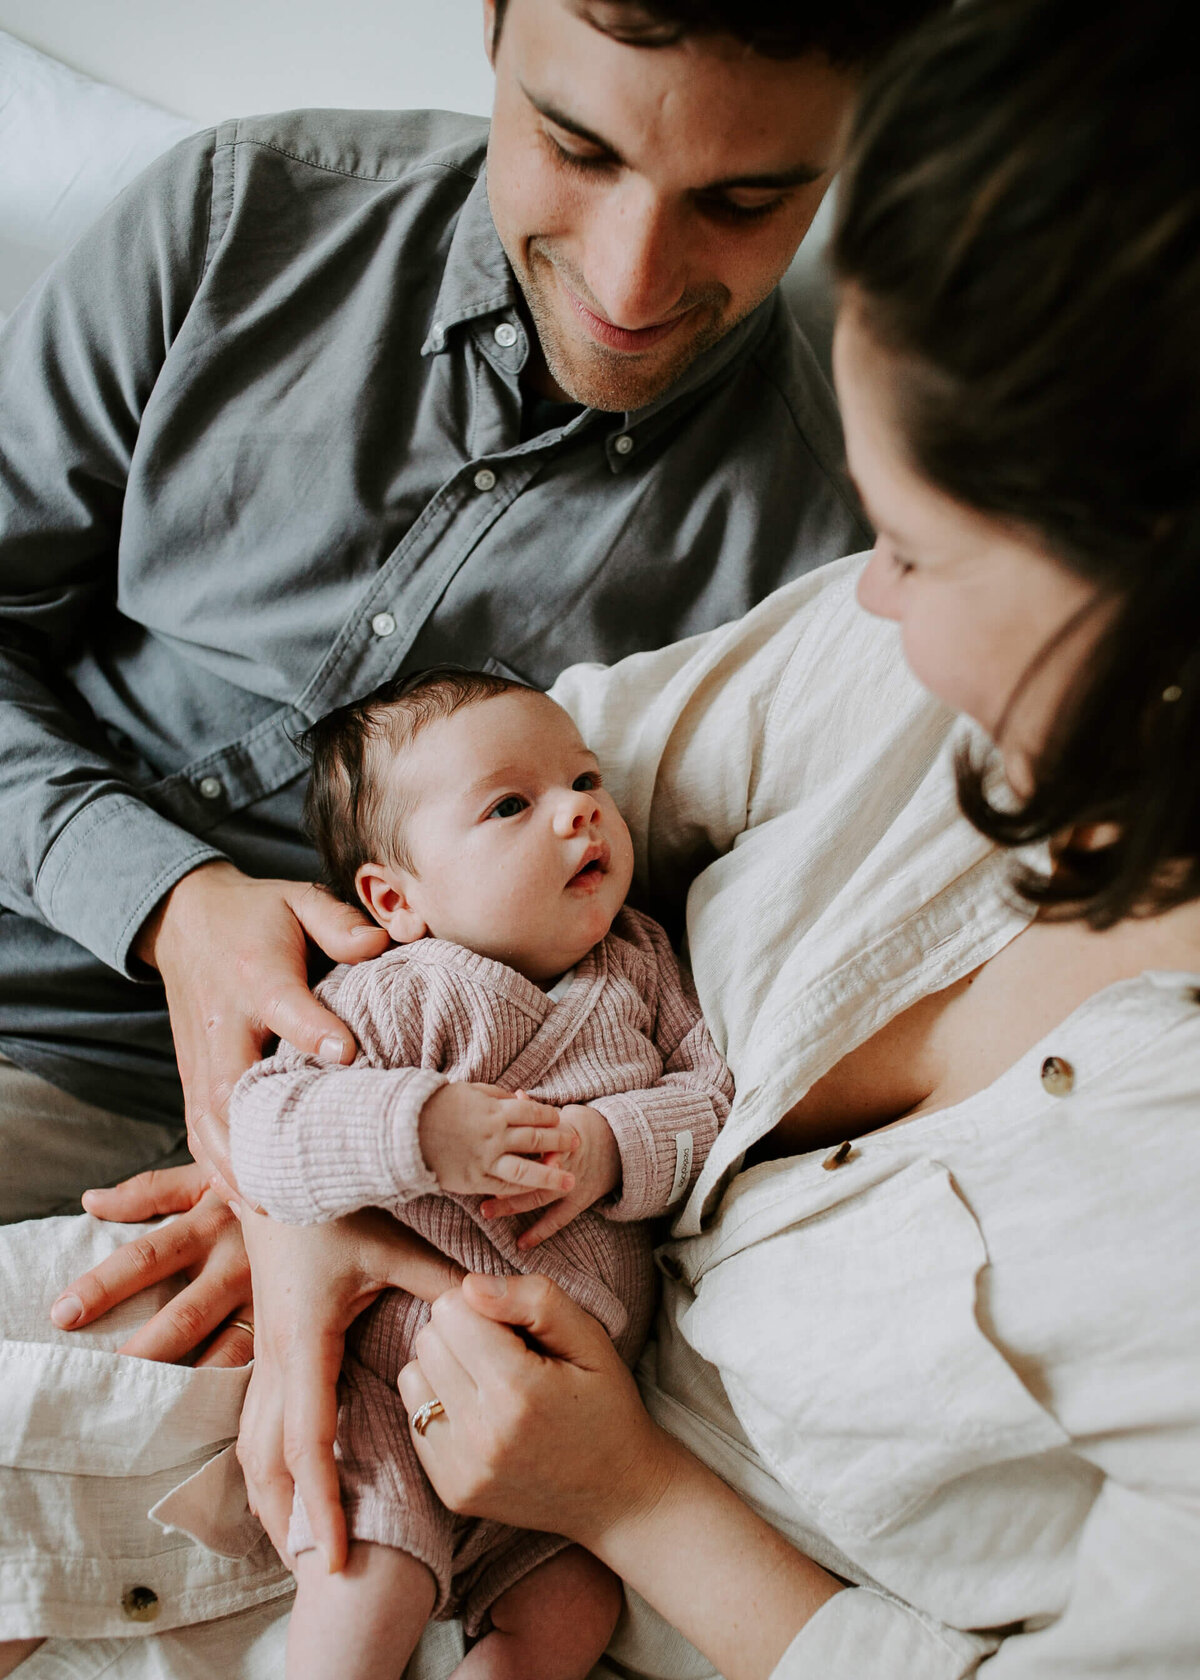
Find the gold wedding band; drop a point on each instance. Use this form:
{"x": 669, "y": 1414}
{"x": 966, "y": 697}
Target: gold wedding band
{"x": 240, "y": 1324}
{"x": 424, "y": 1415}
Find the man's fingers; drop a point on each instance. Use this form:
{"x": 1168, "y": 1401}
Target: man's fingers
{"x": 311, "y": 1425}
{"x": 233, "y": 1344}
{"x": 148, "y": 1259}
{"x": 149, "y": 1195}
{"x": 260, "y": 1454}
{"x": 342, "y": 932}
{"x": 532, "y": 1175}
{"x": 294, "y": 1014}
{"x": 188, "y": 1319}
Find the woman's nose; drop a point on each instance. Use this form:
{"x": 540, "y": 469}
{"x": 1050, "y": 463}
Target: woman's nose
{"x": 877, "y": 586}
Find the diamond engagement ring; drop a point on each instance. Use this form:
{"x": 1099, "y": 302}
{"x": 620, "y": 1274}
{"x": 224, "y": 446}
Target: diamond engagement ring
{"x": 424, "y": 1415}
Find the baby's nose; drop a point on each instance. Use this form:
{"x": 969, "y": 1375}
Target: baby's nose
{"x": 578, "y": 811}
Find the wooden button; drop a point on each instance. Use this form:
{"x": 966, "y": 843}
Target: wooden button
{"x": 1058, "y": 1076}
{"x": 839, "y": 1156}
{"x": 140, "y": 1604}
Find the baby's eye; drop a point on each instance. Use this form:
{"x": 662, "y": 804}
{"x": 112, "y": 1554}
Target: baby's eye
{"x": 587, "y": 782}
{"x": 511, "y": 806}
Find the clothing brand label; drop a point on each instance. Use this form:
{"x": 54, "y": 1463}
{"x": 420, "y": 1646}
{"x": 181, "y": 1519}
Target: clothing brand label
{"x": 683, "y": 1164}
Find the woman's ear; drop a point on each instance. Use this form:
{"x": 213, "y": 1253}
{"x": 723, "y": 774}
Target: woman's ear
{"x": 383, "y": 892}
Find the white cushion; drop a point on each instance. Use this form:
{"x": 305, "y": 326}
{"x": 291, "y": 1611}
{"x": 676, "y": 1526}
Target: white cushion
{"x": 68, "y": 144}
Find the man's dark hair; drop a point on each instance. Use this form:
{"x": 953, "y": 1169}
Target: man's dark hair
{"x": 349, "y": 811}
{"x": 849, "y": 33}
{"x": 1019, "y": 233}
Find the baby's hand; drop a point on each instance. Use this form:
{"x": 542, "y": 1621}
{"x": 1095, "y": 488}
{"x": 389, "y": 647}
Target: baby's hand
{"x": 478, "y": 1139}
{"x": 595, "y": 1163}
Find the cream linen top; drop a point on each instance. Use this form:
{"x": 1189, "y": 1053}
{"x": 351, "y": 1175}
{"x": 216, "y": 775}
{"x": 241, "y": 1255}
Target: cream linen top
{"x": 960, "y": 1370}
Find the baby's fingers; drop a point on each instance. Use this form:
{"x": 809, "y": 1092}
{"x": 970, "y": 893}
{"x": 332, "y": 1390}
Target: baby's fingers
{"x": 515, "y": 1201}
{"x": 559, "y": 1214}
{"x": 531, "y": 1175}
{"x": 541, "y": 1140}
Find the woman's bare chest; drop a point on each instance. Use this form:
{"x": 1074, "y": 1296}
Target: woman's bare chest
{"x": 948, "y": 1046}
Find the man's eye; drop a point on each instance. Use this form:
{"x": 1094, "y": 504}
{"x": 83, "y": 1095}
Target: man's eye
{"x": 722, "y": 209}
{"x": 511, "y": 806}
{"x": 588, "y": 162}
{"x": 587, "y": 782}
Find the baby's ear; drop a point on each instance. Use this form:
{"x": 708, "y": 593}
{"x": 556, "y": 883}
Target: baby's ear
{"x": 382, "y": 892}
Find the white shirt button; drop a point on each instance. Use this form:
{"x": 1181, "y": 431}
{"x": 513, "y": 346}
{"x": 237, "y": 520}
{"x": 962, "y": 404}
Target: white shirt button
{"x": 383, "y": 624}
{"x": 210, "y": 788}
{"x": 485, "y": 479}
{"x": 505, "y": 335}
{"x": 624, "y": 444}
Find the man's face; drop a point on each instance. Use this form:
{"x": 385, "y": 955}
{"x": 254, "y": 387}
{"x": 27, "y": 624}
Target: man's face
{"x": 648, "y": 197}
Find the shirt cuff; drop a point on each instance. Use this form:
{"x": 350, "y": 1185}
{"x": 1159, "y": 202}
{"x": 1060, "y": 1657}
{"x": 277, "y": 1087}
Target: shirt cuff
{"x": 859, "y": 1634}
{"x": 107, "y": 870}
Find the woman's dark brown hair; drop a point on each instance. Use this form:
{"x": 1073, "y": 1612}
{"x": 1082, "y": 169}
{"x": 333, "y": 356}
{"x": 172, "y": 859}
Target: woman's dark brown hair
{"x": 1019, "y": 223}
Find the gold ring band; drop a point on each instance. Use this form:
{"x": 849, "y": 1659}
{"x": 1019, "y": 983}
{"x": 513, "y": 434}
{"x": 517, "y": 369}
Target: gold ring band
{"x": 424, "y": 1415}
{"x": 240, "y": 1324}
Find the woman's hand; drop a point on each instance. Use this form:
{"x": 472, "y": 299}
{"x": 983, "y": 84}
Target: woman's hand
{"x": 310, "y": 1284}
{"x": 554, "y": 1437}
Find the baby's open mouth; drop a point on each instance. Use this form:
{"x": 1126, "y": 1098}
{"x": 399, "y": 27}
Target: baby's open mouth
{"x": 594, "y": 865}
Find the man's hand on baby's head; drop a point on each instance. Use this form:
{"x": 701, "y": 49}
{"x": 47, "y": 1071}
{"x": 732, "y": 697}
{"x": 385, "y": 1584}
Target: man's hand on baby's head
{"x": 595, "y": 1166}
{"x": 479, "y": 1140}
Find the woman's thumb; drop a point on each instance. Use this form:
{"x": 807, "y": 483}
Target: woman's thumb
{"x": 538, "y": 1306}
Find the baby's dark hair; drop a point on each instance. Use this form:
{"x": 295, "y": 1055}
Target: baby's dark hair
{"x": 352, "y": 816}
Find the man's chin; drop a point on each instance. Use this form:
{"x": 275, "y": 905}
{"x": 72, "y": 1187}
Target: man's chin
{"x": 617, "y": 383}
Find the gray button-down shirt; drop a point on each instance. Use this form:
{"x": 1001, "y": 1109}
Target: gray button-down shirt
{"x": 260, "y": 448}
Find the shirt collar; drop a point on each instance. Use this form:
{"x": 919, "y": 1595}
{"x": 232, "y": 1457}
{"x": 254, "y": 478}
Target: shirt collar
{"x": 477, "y": 279}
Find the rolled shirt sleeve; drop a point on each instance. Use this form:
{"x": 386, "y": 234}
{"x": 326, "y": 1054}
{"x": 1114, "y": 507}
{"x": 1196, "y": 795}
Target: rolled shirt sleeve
{"x": 860, "y": 1634}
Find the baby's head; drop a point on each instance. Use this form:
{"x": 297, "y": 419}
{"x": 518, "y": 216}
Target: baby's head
{"x": 463, "y": 805}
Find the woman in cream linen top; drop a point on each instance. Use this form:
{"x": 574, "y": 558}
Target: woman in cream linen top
{"x": 955, "y": 1359}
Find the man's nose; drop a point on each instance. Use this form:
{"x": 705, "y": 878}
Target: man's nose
{"x": 575, "y": 811}
{"x": 636, "y": 264}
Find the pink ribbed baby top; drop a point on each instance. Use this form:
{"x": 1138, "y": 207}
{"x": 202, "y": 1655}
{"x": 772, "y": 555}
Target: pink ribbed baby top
{"x": 313, "y": 1141}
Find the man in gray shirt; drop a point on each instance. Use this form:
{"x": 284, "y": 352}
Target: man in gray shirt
{"x": 335, "y": 394}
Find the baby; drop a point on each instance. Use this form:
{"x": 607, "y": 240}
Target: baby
{"x": 534, "y": 1080}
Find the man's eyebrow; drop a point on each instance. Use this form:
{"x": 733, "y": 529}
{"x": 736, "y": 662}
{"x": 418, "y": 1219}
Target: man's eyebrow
{"x": 803, "y": 175}
{"x": 560, "y": 119}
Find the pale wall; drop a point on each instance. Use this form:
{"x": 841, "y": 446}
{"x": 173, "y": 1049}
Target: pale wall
{"x": 232, "y": 57}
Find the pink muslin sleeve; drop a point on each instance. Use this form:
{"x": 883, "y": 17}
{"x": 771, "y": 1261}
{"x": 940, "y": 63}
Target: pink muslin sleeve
{"x": 314, "y": 1140}
{"x": 664, "y": 1133}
